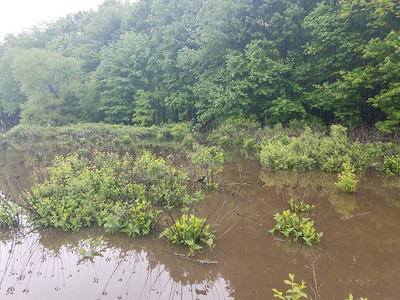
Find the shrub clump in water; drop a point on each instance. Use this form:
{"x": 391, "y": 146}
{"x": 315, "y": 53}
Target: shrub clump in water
{"x": 116, "y": 192}
{"x": 190, "y": 231}
{"x": 291, "y": 225}
{"x": 347, "y": 179}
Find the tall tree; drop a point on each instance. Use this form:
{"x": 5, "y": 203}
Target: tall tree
{"x": 11, "y": 96}
{"x": 52, "y": 84}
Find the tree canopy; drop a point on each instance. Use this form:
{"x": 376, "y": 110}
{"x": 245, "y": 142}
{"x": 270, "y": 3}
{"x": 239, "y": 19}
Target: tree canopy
{"x": 158, "y": 61}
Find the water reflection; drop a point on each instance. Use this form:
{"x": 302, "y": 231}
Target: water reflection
{"x": 49, "y": 264}
{"x": 358, "y": 252}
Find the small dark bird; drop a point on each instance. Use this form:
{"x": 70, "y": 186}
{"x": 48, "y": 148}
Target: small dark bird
{"x": 201, "y": 179}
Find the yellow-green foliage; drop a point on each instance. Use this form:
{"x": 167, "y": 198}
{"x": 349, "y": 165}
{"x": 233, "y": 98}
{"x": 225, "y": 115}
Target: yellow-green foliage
{"x": 10, "y": 213}
{"x": 347, "y": 179}
{"x": 315, "y": 151}
{"x": 251, "y": 148}
{"x": 190, "y": 231}
{"x": 208, "y": 161}
{"x": 300, "y": 206}
{"x": 293, "y": 226}
{"x": 295, "y": 291}
{"x": 115, "y": 191}
{"x": 391, "y": 165}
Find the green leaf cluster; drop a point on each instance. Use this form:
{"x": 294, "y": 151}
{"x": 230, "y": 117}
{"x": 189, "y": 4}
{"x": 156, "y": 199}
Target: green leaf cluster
{"x": 295, "y": 291}
{"x": 190, "y": 231}
{"x": 10, "y": 213}
{"x": 116, "y": 192}
{"x": 208, "y": 161}
{"x": 317, "y": 151}
{"x": 300, "y": 206}
{"x": 347, "y": 179}
{"x": 291, "y": 225}
{"x": 391, "y": 165}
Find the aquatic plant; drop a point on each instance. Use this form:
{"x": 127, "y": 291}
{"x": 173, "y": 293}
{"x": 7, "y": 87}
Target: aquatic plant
{"x": 318, "y": 151}
{"x": 300, "y": 206}
{"x": 251, "y": 148}
{"x": 190, "y": 231}
{"x": 10, "y": 213}
{"x": 135, "y": 218}
{"x": 391, "y": 165}
{"x": 113, "y": 191}
{"x": 295, "y": 227}
{"x": 347, "y": 179}
{"x": 208, "y": 161}
{"x": 230, "y": 135}
{"x": 295, "y": 291}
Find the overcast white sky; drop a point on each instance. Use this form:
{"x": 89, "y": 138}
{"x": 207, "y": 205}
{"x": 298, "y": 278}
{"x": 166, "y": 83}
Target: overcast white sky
{"x": 17, "y": 15}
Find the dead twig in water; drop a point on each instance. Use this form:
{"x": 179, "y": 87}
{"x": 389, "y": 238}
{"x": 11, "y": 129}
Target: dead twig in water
{"x": 359, "y": 215}
{"x": 315, "y": 289}
{"x": 202, "y": 261}
{"x": 226, "y": 231}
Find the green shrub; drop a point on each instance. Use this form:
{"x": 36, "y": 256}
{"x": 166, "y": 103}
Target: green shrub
{"x": 165, "y": 185}
{"x": 180, "y": 130}
{"x": 231, "y": 135}
{"x": 190, "y": 231}
{"x": 391, "y": 165}
{"x": 127, "y": 141}
{"x": 315, "y": 151}
{"x": 208, "y": 161}
{"x": 115, "y": 191}
{"x": 294, "y": 292}
{"x": 294, "y": 227}
{"x": 251, "y": 148}
{"x": 135, "y": 218}
{"x": 347, "y": 179}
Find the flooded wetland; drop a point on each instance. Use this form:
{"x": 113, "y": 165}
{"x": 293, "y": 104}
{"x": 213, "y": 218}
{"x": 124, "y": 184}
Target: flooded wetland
{"x": 358, "y": 253}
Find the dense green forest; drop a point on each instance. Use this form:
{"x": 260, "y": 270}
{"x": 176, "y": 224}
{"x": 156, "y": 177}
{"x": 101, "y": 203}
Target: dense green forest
{"x": 167, "y": 61}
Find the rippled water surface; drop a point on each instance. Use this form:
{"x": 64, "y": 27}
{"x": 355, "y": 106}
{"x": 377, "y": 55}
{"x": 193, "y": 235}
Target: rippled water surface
{"x": 359, "y": 252}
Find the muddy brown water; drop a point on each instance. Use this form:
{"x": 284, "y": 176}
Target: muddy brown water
{"x": 359, "y": 252}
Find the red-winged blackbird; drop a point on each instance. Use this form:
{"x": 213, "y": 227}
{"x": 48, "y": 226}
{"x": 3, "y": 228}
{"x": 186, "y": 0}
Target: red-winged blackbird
{"x": 200, "y": 180}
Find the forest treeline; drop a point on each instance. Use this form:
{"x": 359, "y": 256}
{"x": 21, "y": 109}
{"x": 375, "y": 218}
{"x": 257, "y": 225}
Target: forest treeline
{"x": 167, "y": 61}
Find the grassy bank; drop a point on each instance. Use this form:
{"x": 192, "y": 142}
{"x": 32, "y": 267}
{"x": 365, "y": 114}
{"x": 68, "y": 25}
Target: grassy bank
{"x": 294, "y": 147}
